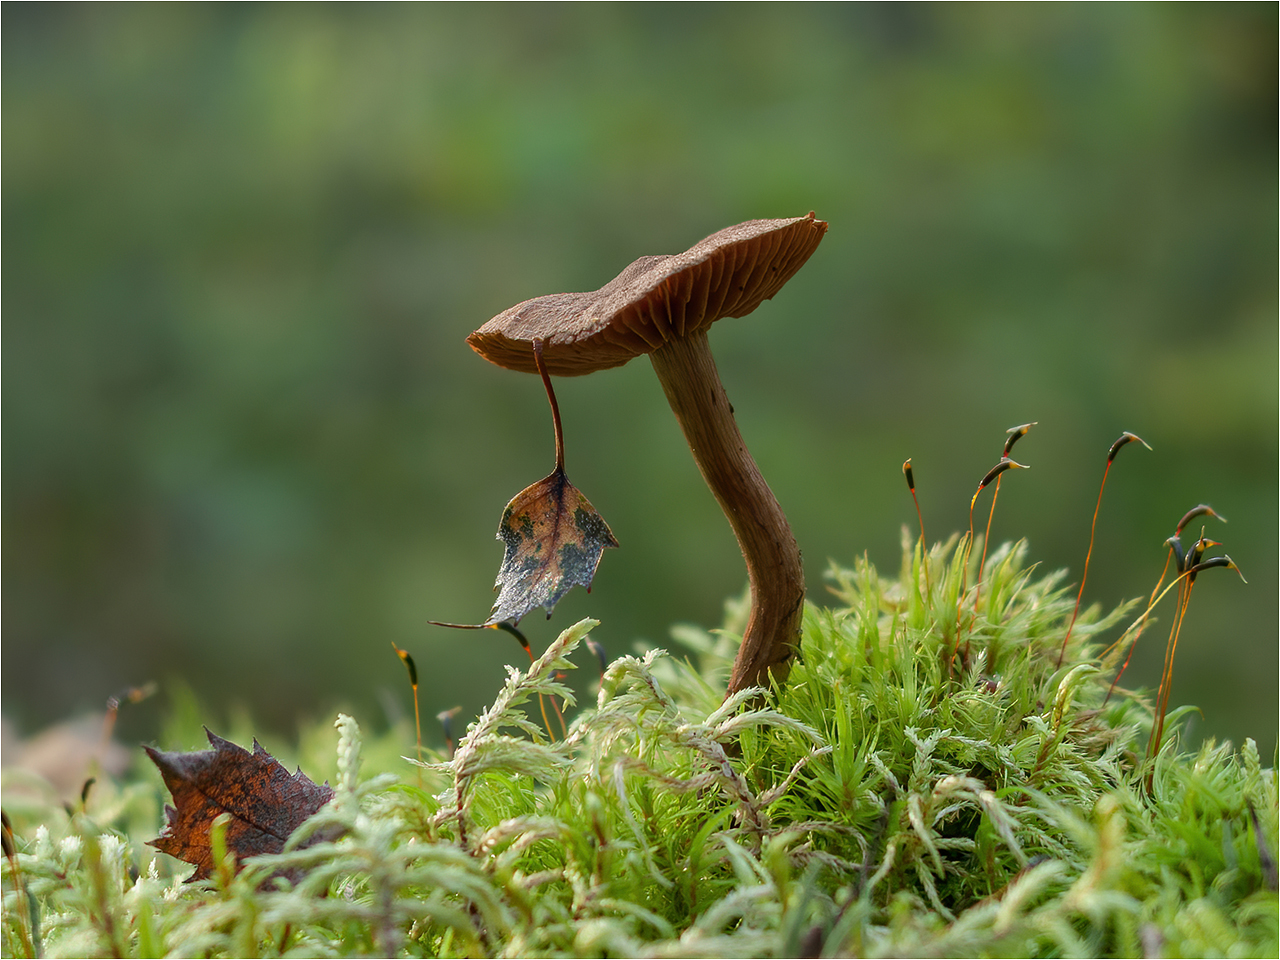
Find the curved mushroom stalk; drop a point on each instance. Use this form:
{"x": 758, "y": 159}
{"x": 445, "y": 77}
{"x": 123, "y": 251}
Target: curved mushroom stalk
{"x": 688, "y": 375}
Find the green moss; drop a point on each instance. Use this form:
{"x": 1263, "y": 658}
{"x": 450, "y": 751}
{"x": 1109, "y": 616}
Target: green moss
{"x": 929, "y": 782}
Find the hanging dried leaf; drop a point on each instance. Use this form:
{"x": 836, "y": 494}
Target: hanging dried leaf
{"x": 554, "y": 539}
{"x": 266, "y": 804}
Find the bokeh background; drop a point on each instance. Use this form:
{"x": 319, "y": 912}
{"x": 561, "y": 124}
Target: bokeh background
{"x": 246, "y": 448}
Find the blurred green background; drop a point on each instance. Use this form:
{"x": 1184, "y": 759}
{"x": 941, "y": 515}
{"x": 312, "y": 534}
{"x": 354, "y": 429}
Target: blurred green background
{"x": 245, "y": 444}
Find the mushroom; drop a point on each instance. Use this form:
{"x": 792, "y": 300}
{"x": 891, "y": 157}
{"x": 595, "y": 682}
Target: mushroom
{"x": 663, "y": 306}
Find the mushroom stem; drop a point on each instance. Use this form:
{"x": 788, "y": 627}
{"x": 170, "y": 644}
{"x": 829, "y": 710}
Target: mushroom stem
{"x": 689, "y": 378}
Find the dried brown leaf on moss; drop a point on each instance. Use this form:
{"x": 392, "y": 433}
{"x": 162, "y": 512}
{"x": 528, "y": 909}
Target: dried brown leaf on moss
{"x": 266, "y": 804}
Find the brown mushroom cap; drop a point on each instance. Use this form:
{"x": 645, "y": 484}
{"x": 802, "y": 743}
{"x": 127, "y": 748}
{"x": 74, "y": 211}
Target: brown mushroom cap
{"x": 654, "y": 300}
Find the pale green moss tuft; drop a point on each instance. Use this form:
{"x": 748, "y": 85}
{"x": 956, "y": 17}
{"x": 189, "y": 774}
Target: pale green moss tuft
{"x": 928, "y": 783}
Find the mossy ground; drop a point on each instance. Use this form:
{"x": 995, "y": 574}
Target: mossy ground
{"x": 929, "y": 782}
